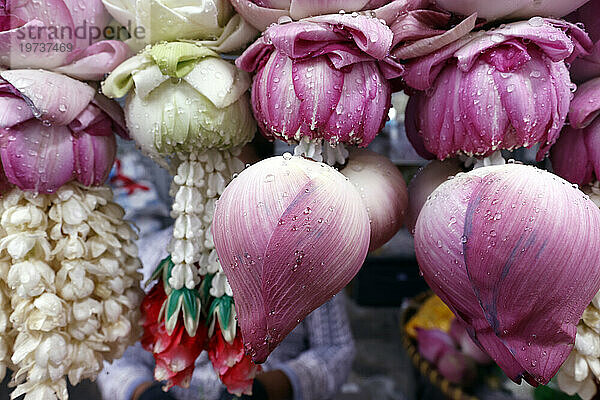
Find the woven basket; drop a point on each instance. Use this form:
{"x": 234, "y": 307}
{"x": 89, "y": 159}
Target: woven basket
{"x": 450, "y": 390}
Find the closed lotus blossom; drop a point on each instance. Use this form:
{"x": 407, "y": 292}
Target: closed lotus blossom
{"x": 499, "y": 89}
{"x": 322, "y": 79}
{"x": 493, "y": 243}
{"x": 575, "y": 155}
{"x": 510, "y": 10}
{"x": 213, "y": 22}
{"x": 588, "y": 65}
{"x": 290, "y": 233}
{"x": 70, "y": 271}
{"x": 54, "y": 129}
{"x": 58, "y": 35}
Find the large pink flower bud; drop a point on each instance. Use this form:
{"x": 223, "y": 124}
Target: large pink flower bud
{"x": 322, "y": 78}
{"x": 290, "y": 234}
{"x": 55, "y": 129}
{"x": 499, "y": 89}
{"x": 512, "y": 250}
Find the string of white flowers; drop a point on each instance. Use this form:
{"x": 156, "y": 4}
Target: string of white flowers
{"x": 321, "y": 151}
{"x": 69, "y": 265}
{"x": 581, "y": 370}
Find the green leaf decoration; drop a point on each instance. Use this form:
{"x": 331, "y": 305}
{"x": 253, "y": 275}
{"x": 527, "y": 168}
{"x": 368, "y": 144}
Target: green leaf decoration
{"x": 225, "y": 311}
{"x": 191, "y": 310}
{"x": 221, "y": 308}
{"x": 174, "y": 304}
{"x": 159, "y": 269}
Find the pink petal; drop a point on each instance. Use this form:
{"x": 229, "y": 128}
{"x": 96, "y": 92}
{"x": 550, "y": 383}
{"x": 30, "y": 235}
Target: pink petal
{"x": 36, "y": 157}
{"x": 570, "y": 158}
{"x": 585, "y": 106}
{"x": 52, "y": 97}
{"x": 457, "y": 368}
{"x": 318, "y": 87}
{"x": 511, "y": 242}
{"x": 13, "y": 110}
{"x": 97, "y": 60}
{"x": 259, "y": 17}
{"x": 272, "y": 244}
{"x": 94, "y": 157}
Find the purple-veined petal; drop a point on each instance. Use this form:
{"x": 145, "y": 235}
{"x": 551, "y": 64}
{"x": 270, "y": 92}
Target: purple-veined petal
{"x": 52, "y": 97}
{"x": 94, "y": 157}
{"x": 115, "y": 112}
{"x": 274, "y": 244}
{"x": 467, "y": 346}
{"x": 93, "y": 14}
{"x": 382, "y": 190}
{"x": 96, "y": 61}
{"x": 513, "y": 243}
{"x": 36, "y": 157}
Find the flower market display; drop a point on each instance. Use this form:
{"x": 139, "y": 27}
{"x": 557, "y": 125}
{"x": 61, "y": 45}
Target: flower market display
{"x": 510, "y": 249}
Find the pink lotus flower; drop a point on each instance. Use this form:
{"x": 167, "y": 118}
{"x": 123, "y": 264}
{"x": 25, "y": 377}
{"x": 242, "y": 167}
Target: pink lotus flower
{"x": 175, "y": 354}
{"x": 235, "y": 369}
{"x": 383, "y": 191}
{"x": 587, "y": 66}
{"x": 59, "y": 35}
{"x": 322, "y": 78}
{"x": 54, "y": 129}
{"x": 497, "y": 246}
{"x": 290, "y": 234}
{"x": 576, "y": 154}
{"x": 497, "y": 89}
{"x": 262, "y": 13}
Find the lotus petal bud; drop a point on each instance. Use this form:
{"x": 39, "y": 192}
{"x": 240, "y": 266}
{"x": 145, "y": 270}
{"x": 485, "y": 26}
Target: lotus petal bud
{"x": 214, "y": 23}
{"x": 383, "y": 191}
{"x": 55, "y": 129}
{"x": 59, "y": 35}
{"x": 488, "y": 239}
{"x": 472, "y": 92}
{"x": 290, "y": 233}
{"x": 425, "y": 182}
{"x": 519, "y": 9}
{"x": 322, "y": 78}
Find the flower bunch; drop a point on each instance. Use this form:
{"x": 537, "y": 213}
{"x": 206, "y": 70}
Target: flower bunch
{"x": 69, "y": 268}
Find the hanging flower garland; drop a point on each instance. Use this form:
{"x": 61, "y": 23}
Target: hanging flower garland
{"x": 69, "y": 263}
{"x": 191, "y": 106}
